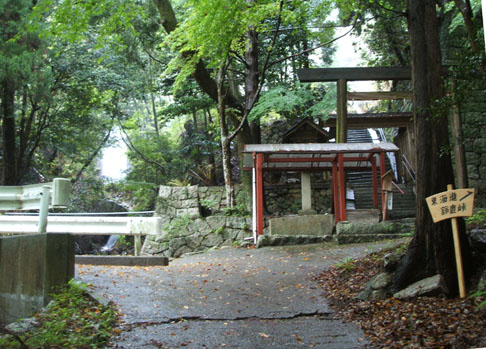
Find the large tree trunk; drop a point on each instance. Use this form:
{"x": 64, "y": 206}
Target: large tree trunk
{"x": 431, "y": 250}
{"x": 9, "y": 171}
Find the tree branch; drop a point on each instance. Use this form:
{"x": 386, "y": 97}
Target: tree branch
{"x": 128, "y": 142}
{"x": 313, "y": 48}
{"x": 91, "y": 158}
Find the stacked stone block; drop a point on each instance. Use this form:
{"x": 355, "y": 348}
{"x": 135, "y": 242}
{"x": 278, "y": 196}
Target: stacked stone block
{"x": 186, "y": 229}
{"x": 473, "y": 113}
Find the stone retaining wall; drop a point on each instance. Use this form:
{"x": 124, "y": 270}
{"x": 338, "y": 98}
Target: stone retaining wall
{"x": 193, "y": 220}
{"x": 196, "y": 218}
{"x": 473, "y": 112}
{"x": 285, "y": 199}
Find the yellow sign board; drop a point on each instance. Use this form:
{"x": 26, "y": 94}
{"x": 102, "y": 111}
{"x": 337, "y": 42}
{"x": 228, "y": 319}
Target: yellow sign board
{"x": 451, "y": 204}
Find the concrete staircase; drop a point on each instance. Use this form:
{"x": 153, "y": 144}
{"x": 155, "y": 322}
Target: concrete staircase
{"x": 361, "y": 183}
{"x": 403, "y": 205}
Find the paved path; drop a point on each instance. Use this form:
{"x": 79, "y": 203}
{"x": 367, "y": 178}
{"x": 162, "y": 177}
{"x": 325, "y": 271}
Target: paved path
{"x": 237, "y": 298}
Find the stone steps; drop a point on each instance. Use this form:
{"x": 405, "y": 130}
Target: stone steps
{"x": 403, "y": 205}
{"x": 354, "y": 232}
{"x": 363, "y": 215}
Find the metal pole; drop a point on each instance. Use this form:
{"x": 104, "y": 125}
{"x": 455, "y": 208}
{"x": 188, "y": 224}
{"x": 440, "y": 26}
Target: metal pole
{"x": 44, "y": 209}
{"x": 137, "y": 248}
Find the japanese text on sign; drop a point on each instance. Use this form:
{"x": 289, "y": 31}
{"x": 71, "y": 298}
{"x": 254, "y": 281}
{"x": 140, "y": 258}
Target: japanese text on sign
{"x": 450, "y": 204}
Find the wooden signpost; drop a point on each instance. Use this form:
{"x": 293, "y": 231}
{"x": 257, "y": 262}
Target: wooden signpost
{"x": 451, "y": 204}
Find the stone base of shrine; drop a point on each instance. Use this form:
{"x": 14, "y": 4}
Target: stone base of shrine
{"x": 313, "y": 225}
{"x": 363, "y": 216}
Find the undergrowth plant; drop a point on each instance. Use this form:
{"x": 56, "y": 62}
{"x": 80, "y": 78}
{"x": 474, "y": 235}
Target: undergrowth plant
{"x": 480, "y": 294}
{"x": 347, "y": 264}
{"x": 477, "y": 220}
{"x": 74, "y": 319}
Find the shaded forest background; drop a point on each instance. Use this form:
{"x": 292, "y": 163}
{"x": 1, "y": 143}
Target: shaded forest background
{"x": 187, "y": 83}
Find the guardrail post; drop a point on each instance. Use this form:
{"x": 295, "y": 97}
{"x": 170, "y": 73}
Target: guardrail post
{"x": 61, "y": 188}
{"x": 137, "y": 245}
{"x": 44, "y": 209}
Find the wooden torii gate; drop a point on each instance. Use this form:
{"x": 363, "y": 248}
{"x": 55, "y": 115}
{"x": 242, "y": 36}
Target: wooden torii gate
{"x": 342, "y": 75}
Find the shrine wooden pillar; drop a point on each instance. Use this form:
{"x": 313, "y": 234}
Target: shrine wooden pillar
{"x": 374, "y": 173}
{"x": 382, "y": 173}
{"x": 342, "y": 112}
{"x": 342, "y": 189}
{"x": 341, "y": 137}
{"x": 335, "y": 189}
{"x": 259, "y": 193}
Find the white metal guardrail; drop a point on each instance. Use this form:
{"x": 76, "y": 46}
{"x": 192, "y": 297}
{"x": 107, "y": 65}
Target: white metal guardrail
{"x": 29, "y": 197}
{"x": 85, "y": 225}
{"x": 56, "y": 195}
{"x": 36, "y": 197}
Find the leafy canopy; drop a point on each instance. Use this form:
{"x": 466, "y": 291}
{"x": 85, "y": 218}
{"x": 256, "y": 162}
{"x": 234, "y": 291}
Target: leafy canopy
{"x": 214, "y": 29}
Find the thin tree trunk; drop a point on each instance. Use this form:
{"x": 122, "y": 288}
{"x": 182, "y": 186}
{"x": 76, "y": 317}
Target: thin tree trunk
{"x": 252, "y": 81}
{"x": 152, "y": 100}
{"x": 91, "y": 158}
{"x": 467, "y": 15}
{"x": 211, "y": 158}
{"x": 225, "y": 140}
{"x": 9, "y": 171}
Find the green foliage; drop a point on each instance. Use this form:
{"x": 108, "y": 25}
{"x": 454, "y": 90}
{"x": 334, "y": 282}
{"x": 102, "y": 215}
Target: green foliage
{"x": 301, "y": 101}
{"x": 123, "y": 242}
{"x": 239, "y": 210}
{"x": 220, "y": 230}
{"x": 142, "y": 195}
{"x": 481, "y": 295}
{"x": 477, "y": 220}
{"x": 208, "y": 203}
{"x": 72, "y": 20}
{"x": 177, "y": 224}
{"x": 215, "y": 29}
{"x": 457, "y": 20}
{"x": 347, "y": 265}
{"x": 86, "y": 195}
{"x": 73, "y": 320}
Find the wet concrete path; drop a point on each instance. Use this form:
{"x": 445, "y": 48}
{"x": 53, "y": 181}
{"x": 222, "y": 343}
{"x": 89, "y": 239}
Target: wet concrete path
{"x": 238, "y": 298}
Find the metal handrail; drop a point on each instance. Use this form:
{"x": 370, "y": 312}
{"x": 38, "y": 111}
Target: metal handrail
{"x": 409, "y": 168}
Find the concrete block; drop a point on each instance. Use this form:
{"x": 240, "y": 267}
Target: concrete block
{"x": 363, "y": 216}
{"x": 285, "y": 240}
{"x": 347, "y": 232}
{"x": 31, "y": 268}
{"x": 123, "y": 260}
{"x": 317, "y": 225}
